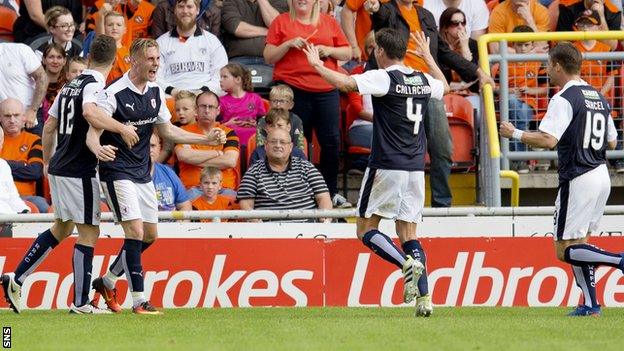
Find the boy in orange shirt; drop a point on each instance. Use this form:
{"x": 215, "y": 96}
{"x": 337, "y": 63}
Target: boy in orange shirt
{"x": 115, "y": 26}
{"x": 210, "y": 200}
{"x": 524, "y": 89}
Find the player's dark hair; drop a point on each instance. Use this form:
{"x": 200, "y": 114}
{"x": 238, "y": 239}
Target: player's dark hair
{"x": 102, "y": 50}
{"x": 393, "y": 43}
{"x": 208, "y": 92}
{"x": 237, "y": 70}
{"x": 567, "y": 56}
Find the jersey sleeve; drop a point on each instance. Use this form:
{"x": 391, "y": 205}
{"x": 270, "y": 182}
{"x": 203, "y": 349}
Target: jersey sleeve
{"x": 163, "y": 114}
{"x": 106, "y": 100}
{"x": 90, "y": 93}
{"x": 557, "y": 118}
{"x": 611, "y": 131}
{"x": 53, "y": 111}
{"x": 374, "y": 82}
{"x": 437, "y": 87}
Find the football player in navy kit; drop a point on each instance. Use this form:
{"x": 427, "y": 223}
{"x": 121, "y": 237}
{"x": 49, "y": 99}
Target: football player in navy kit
{"x": 74, "y": 187}
{"x": 578, "y": 122}
{"x": 135, "y": 99}
{"x": 394, "y": 183}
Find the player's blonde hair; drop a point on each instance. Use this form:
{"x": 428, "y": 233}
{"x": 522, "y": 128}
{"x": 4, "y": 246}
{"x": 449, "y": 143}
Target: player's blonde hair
{"x": 140, "y": 46}
{"x": 210, "y": 171}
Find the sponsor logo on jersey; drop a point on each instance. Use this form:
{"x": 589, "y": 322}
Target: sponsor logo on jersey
{"x": 153, "y": 102}
{"x": 590, "y": 94}
{"x": 23, "y": 148}
{"x": 139, "y": 19}
{"x": 413, "y": 80}
{"x": 131, "y": 106}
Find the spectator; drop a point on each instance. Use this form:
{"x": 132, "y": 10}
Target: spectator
{"x": 240, "y": 107}
{"x": 186, "y": 111}
{"x": 509, "y": 14}
{"x": 61, "y": 26}
{"x": 245, "y": 24}
{"x": 163, "y": 18}
{"x": 22, "y": 151}
{"x": 10, "y": 201}
{"x": 170, "y": 191}
{"x": 193, "y": 158}
{"x": 210, "y": 199}
{"x": 137, "y": 15}
{"x": 475, "y": 12}
{"x": 276, "y": 119}
{"x": 54, "y": 60}
{"x": 18, "y": 77}
{"x": 453, "y": 31}
{"x": 610, "y": 16}
{"x": 31, "y": 21}
{"x": 525, "y": 79}
{"x": 282, "y": 182}
{"x": 281, "y": 97}
{"x": 316, "y": 101}
{"x": 115, "y": 27}
{"x": 75, "y": 66}
{"x": 403, "y": 16}
{"x": 190, "y": 57}
{"x": 356, "y": 24}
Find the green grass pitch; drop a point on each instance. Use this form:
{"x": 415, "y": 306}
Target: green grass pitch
{"x": 318, "y": 329}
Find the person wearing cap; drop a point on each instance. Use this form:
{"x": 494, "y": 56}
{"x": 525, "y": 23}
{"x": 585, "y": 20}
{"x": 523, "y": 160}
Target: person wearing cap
{"x": 609, "y": 16}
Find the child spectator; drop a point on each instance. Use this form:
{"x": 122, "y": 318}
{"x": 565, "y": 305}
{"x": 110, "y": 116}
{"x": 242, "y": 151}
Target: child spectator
{"x": 210, "y": 199}
{"x": 170, "y": 191}
{"x": 524, "y": 89}
{"x": 185, "y": 108}
{"x": 282, "y": 97}
{"x": 275, "y": 119}
{"x": 74, "y": 68}
{"x": 240, "y": 107}
{"x": 115, "y": 26}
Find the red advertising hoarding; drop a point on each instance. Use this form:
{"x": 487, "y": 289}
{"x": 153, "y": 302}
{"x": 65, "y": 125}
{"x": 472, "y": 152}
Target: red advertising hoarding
{"x": 309, "y": 272}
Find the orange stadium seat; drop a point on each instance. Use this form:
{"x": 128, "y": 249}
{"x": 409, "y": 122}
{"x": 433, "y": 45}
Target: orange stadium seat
{"x": 461, "y": 124}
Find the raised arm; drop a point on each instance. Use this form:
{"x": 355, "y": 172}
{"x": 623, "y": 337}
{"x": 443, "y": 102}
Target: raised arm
{"x": 343, "y": 82}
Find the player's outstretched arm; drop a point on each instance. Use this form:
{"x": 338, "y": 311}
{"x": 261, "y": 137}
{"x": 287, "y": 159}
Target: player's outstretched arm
{"x": 168, "y": 131}
{"x": 99, "y": 119}
{"x": 422, "y": 50}
{"x": 341, "y": 81}
{"x": 48, "y": 138}
{"x": 536, "y": 139}
{"x": 104, "y": 153}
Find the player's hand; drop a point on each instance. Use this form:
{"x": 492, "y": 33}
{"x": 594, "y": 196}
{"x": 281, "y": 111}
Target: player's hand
{"x": 506, "y": 129}
{"x": 297, "y": 43}
{"x": 422, "y": 45}
{"x": 371, "y": 6}
{"x": 129, "y": 135}
{"x": 216, "y": 136}
{"x": 106, "y": 153}
{"x": 313, "y": 55}
{"x": 31, "y": 118}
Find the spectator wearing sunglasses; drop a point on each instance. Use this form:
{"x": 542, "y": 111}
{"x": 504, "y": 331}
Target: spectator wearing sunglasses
{"x": 475, "y": 12}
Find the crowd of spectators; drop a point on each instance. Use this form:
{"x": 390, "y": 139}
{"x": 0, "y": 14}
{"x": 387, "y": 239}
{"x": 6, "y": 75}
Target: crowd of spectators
{"x": 209, "y": 54}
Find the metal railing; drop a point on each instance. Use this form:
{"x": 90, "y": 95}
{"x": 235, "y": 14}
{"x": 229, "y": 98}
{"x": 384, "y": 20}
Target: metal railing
{"x": 492, "y": 164}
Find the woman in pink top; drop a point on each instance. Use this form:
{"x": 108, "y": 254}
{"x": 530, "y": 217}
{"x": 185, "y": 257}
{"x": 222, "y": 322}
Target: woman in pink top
{"x": 239, "y": 107}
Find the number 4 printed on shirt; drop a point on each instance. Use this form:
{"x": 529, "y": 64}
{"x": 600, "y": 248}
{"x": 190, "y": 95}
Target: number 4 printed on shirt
{"x": 414, "y": 114}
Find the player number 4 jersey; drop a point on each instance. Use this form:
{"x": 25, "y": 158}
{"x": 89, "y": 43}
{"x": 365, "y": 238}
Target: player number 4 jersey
{"x": 580, "y": 118}
{"x": 400, "y": 97}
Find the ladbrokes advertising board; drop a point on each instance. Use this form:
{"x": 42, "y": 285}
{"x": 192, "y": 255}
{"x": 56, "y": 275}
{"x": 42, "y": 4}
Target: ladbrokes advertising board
{"x": 308, "y": 272}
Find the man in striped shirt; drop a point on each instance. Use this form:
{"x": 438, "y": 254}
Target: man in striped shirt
{"x": 282, "y": 182}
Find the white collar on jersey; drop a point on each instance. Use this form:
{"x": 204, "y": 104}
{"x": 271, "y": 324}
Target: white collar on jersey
{"x": 402, "y": 68}
{"x": 572, "y": 83}
{"x": 98, "y": 76}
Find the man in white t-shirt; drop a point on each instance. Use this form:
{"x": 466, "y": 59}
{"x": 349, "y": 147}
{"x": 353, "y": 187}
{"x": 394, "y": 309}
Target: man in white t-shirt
{"x": 23, "y": 78}
{"x": 476, "y": 12}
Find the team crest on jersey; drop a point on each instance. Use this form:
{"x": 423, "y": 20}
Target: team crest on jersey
{"x": 153, "y": 102}
{"x": 250, "y": 106}
{"x": 139, "y": 19}
{"x": 126, "y": 59}
{"x": 530, "y": 74}
{"x": 414, "y": 80}
{"x": 23, "y": 148}
{"x": 203, "y": 51}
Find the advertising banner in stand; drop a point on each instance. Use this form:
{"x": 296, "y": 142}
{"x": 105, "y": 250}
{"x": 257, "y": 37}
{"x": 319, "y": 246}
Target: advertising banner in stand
{"x": 189, "y": 273}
